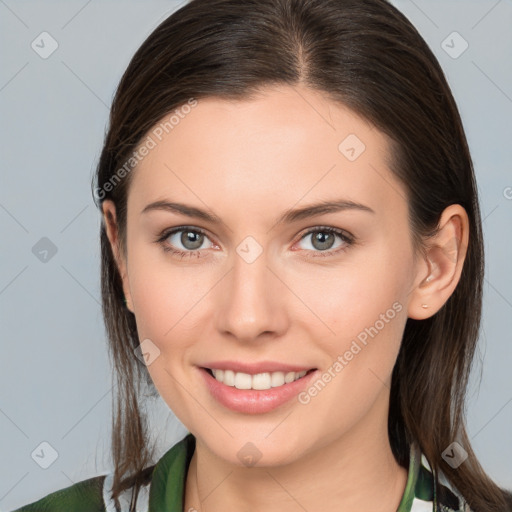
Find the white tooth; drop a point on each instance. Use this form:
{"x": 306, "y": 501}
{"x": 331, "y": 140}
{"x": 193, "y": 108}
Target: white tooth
{"x": 289, "y": 377}
{"x": 243, "y": 381}
{"x": 229, "y": 377}
{"x": 277, "y": 379}
{"x": 261, "y": 381}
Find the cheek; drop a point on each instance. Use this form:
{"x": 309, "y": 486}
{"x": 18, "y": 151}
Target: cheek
{"x": 359, "y": 316}
{"x": 345, "y": 298}
{"x": 163, "y": 292}
{"x": 164, "y": 298}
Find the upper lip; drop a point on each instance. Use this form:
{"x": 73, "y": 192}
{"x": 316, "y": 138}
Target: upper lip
{"x": 254, "y": 368}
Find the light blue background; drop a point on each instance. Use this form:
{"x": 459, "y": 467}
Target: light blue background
{"x": 55, "y": 374}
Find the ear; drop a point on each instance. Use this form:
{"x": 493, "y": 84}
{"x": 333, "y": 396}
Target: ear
{"x": 439, "y": 270}
{"x": 109, "y": 215}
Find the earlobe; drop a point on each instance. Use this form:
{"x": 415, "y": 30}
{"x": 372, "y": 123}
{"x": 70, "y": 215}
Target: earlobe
{"x": 440, "y": 272}
{"x": 110, "y": 219}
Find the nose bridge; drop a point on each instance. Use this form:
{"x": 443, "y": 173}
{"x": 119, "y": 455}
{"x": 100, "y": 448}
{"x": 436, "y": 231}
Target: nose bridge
{"x": 251, "y": 300}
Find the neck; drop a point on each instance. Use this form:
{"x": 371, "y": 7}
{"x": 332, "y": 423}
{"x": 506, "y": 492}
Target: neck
{"x": 353, "y": 472}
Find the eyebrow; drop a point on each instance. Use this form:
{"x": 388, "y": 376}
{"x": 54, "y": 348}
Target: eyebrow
{"x": 289, "y": 216}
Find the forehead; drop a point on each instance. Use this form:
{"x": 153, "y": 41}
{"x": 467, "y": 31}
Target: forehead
{"x": 286, "y": 145}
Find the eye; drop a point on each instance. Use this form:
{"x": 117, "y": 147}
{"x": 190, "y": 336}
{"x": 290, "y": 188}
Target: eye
{"x": 323, "y": 239}
{"x": 191, "y": 239}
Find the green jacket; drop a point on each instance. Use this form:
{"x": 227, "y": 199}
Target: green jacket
{"x": 165, "y": 492}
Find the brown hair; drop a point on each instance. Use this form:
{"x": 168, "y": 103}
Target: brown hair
{"x": 368, "y": 56}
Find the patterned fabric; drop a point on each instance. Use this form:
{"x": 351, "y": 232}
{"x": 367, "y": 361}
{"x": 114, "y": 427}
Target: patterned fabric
{"x": 166, "y": 490}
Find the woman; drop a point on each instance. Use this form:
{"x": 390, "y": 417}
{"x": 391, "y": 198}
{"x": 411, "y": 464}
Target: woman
{"x": 292, "y": 258}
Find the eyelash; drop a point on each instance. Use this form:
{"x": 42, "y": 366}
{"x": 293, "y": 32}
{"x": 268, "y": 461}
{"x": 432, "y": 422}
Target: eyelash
{"x": 345, "y": 237}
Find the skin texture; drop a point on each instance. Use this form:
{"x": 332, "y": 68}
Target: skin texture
{"x": 247, "y": 162}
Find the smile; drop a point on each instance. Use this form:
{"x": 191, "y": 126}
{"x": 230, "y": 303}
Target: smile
{"x": 255, "y": 393}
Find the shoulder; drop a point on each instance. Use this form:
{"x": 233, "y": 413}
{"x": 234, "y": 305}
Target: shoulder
{"x": 91, "y": 495}
{"x": 95, "y": 494}
{"x": 84, "y": 496}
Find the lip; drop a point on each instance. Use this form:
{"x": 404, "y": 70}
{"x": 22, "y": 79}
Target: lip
{"x": 252, "y": 401}
{"x": 254, "y": 368}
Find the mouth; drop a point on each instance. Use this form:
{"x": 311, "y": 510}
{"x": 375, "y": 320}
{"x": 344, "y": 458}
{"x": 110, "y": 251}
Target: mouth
{"x": 258, "y": 381}
{"x": 255, "y": 393}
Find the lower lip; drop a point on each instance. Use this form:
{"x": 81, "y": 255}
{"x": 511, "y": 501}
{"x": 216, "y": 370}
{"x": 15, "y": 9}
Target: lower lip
{"x": 252, "y": 401}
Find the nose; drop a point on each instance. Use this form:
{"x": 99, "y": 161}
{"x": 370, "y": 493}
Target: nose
{"x": 251, "y": 300}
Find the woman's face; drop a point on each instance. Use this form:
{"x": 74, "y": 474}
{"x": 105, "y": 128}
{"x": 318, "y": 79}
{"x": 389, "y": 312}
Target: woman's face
{"x": 257, "y": 283}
